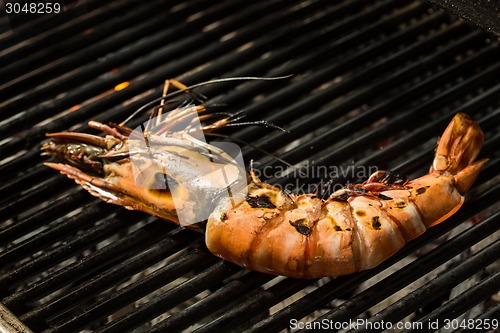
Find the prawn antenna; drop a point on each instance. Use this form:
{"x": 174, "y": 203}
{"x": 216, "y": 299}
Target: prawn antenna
{"x": 200, "y": 96}
{"x": 264, "y": 123}
{"x": 263, "y": 151}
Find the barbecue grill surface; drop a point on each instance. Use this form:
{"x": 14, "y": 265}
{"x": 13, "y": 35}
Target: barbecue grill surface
{"x": 484, "y": 13}
{"x": 374, "y": 84}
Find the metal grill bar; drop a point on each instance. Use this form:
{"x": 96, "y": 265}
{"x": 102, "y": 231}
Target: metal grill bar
{"x": 149, "y": 283}
{"x": 110, "y": 277}
{"x": 183, "y": 51}
{"x": 421, "y": 135}
{"x": 115, "y": 60}
{"x": 342, "y": 130}
{"x": 444, "y": 282}
{"x": 57, "y": 255}
{"x": 218, "y": 300}
{"x": 71, "y": 43}
{"x": 62, "y": 207}
{"x": 464, "y": 301}
{"x": 21, "y": 33}
{"x": 159, "y": 304}
{"x": 344, "y": 65}
{"x": 61, "y": 227}
{"x": 397, "y": 121}
{"x": 32, "y": 47}
{"x": 350, "y": 25}
{"x": 492, "y": 312}
{"x": 248, "y": 309}
{"x": 78, "y": 63}
{"x": 113, "y": 252}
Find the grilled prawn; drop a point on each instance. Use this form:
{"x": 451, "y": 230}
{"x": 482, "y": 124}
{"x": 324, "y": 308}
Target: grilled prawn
{"x": 270, "y": 231}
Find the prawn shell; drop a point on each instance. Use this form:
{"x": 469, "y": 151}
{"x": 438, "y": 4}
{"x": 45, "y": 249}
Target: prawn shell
{"x": 227, "y": 221}
{"x": 336, "y": 244}
{"x": 404, "y": 213}
{"x": 436, "y": 197}
{"x": 378, "y": 235}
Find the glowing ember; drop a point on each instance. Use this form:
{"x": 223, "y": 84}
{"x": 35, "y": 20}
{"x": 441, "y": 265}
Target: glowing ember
{"x": 121, "y": 86}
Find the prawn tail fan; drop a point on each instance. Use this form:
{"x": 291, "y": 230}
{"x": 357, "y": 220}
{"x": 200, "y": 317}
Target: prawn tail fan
{"x": 457, "y": 150}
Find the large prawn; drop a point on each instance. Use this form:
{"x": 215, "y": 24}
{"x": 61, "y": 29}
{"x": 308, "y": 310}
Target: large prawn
{"x": 300, "y": 236}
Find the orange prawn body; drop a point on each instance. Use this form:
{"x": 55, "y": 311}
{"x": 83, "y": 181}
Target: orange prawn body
{"x": 306, "y": 237}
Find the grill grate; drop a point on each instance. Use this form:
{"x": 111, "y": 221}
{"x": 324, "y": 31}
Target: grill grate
{"x": 375, "y": 82}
